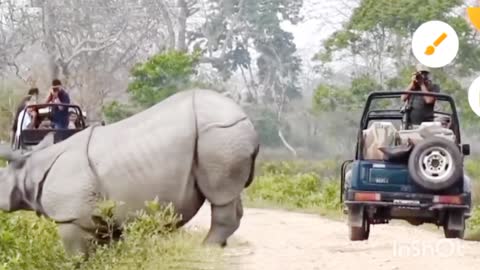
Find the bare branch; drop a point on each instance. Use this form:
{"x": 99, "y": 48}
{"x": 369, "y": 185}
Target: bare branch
{"x": 101, "y": 45}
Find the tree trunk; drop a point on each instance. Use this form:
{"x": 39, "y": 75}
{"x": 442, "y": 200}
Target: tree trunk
{"x": 286, "y": 144}
{"x": 49, "y": 39}
{"x": 182, "y": 24}
{"x": 168, "y": 22}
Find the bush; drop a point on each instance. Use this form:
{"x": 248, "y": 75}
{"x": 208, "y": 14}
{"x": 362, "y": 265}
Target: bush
{"x": 472, "y": 169}
{"x": 28, "y": 242}
{"x": 288, "y": 184}
{"x": 474, "y": 221}
{"x": 115, "y": 111}
{"x": 151, "y": 241}
{"x": 326, "y": 169}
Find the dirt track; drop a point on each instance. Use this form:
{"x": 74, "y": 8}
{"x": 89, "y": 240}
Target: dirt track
{"x": 278, "y": 240}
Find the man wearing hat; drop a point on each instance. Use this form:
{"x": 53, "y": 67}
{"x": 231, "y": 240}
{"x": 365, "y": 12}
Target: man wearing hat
{"x": 422, "y": 107}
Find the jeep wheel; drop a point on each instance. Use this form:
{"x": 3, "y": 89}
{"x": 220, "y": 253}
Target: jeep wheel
{"x": 453, "y": 233}
{"x": 435, "y": 163}
{"x": 451, "y": 217}
{"x": 360, "y": 233}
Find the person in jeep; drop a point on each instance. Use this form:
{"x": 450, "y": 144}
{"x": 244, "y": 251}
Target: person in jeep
{"x": 421, "y": 107}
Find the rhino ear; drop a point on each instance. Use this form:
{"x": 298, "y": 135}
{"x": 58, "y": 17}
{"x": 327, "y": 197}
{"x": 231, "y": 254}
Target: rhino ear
{"x": 47, "y": 141}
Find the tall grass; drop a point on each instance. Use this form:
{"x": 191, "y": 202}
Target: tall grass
{"x": 296, "y": 185}
{"x": 149, "y": 242}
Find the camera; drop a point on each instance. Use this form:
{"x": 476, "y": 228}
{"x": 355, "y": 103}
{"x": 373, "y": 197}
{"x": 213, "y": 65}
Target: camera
{"x": 419, "y": 76}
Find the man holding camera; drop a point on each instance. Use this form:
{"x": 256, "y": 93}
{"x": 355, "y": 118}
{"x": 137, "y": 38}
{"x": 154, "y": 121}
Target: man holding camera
{"x": 421, "y": 107}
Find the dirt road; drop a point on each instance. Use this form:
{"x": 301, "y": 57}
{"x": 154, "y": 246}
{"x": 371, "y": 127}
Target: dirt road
{"x": 278, "y": 240}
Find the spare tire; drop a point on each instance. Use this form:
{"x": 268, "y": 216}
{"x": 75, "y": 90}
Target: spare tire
{"x": 435, "y": 163}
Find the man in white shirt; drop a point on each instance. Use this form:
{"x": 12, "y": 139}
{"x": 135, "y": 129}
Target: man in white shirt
{"x": 27, "y": 120}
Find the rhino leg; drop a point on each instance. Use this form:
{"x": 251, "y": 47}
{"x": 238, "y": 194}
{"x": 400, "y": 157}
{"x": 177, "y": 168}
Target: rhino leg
{"x": 225, "y": 163}
{"x": 75, "y": 239}
{"x": 225, "y": 221}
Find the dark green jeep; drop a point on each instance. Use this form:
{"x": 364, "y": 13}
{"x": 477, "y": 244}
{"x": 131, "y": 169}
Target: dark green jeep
{"x": 409, "y": 173}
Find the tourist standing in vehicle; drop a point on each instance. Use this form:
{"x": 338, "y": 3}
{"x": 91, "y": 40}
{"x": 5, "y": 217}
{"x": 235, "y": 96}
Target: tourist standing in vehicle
{"x": 421, "y": 107}
{"x": 32, "y": 98}
{"x": 27, "y": 118}
{"x": 58, "y": 95}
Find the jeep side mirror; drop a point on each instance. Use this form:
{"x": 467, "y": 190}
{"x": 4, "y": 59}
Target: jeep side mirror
{"x": 466, "y": 149}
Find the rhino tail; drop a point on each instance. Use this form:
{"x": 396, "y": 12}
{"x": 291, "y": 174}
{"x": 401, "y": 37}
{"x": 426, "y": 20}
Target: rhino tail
{"x": 252, "y": 167}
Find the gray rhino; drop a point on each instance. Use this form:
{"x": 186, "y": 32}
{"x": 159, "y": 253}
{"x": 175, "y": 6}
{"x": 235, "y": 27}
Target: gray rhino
{"x": 194, "y": 146}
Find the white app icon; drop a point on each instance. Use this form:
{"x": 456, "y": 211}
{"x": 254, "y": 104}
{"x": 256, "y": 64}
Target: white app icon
{"x": 474, "y": 96}
{"x": 435, "y": 44}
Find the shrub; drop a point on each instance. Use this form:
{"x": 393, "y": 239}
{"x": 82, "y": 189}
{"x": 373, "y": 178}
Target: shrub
{"x": 472, "y": 169}
{"x": 474, "y": 220}
{"x": 29, "y": 242}
{"x": 150, "y": 241}
{"x": 288, "y": 184}
{"x": 325, "y": 169}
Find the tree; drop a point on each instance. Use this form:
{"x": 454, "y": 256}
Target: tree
{"x": 161, "y": 76}
{"x": 329, "y": 98}
{"x": 378, "y": 36}
{"x": 379, "y": 32}
{"x": 115, "y": 111}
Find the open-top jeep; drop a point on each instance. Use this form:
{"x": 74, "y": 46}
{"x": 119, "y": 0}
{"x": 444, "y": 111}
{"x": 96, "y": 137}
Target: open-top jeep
{"x": 403, "y": 172}
{"x": 32, "y": 136}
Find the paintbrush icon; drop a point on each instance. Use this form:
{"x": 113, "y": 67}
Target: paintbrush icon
{"x": 431, "y": 49}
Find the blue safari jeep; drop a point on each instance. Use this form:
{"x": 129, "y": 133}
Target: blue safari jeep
{"x": 401, "y": 171}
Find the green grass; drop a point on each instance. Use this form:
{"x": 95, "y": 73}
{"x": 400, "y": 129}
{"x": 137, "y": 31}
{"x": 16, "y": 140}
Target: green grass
{"x": 305, "y": 186}
{"x": 29, "y": 242}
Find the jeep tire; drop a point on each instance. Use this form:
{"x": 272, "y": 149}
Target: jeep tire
{"x": 359, "y": 233}
{"x": 454, "y": 216}
{"x": 435, "y": 163}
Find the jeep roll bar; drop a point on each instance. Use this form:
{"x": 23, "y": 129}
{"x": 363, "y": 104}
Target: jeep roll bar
{"x": 50, "y": 105}
{"x": 391, "y": 114}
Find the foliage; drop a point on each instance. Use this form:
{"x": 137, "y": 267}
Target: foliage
{"x": 161, "y": 76}
{"x": 158, "y": 78}
{"x": 278, "y": 64}
{"x": 331, "y": 98}
{"x": 326, "y": 169}
{"x": 474, "y": 220}
{"x": 265, "y": 122}
{"x": 287, "y": 184}
{"x": 150, "y": 242}
{"x": 237, "y": 25}
{"x": 9, "y": 99}
{"x": 115, "y": 111}
{"x": 28, "y": 242}
{"x": 327, "y": 98}
{"x": 381, "y": 27}
{"x": 379, "y": 35}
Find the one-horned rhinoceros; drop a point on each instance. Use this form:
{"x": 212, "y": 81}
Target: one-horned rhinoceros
{"x": 194, "y": 146}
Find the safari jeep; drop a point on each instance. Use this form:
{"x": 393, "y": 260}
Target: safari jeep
{"x": 32, "y": 136}
{"x": 408, "y": 173}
